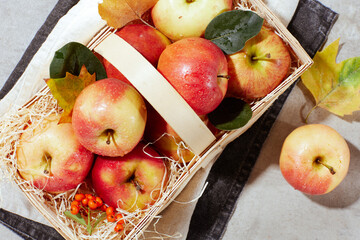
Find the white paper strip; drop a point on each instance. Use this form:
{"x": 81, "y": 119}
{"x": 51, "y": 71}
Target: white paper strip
{"x": 157, "y": 91}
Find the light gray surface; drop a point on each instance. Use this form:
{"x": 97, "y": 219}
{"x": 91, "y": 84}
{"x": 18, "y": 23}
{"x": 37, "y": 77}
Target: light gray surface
{"x": 268, "y": 207}
{"x": 19, "y": 23}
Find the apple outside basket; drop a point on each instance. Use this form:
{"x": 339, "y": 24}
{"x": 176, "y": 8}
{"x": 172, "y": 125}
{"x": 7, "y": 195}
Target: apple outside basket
{"x": 190, "y": 128}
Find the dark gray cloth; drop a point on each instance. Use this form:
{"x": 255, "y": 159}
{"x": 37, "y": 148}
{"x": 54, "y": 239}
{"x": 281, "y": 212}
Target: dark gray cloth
{"x": 311, "y": 24}
{"x": 26, "y": 228}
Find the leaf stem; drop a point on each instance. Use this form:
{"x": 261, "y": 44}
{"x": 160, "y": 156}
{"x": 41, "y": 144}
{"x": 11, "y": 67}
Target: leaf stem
{"x": 308, "y": 115}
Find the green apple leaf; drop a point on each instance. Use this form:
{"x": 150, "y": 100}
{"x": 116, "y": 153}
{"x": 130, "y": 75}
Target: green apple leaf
{"x": 71, "y": 57}
{"x": 65, "y": 90}
{"x": 231, "y": 114}
{"x": 230, "y": 30}
{"x": 335, "y": 86}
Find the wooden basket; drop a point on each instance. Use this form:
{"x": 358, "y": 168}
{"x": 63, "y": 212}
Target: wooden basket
{"x": 43, "y": 102}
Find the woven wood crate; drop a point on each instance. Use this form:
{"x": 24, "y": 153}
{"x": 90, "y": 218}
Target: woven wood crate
{"x": 43, "y": 103}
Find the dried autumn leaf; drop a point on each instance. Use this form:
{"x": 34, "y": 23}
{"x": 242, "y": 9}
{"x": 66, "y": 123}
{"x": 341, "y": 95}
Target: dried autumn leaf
{"x": 65, "y": 90}
{"x": 117, "y": 13}
{"x": 335, "y": 86}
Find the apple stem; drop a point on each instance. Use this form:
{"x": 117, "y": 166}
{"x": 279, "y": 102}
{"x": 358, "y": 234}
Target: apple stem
{"x": 263, "y": 57}
{"x": 108, "y": 138}
{"x": 190, "y": 1}
{"x": 137, "y": 185}
{"x": 47, "y": 159}
{"x": 331, "y": 169}
{"x": 223, "y": 76}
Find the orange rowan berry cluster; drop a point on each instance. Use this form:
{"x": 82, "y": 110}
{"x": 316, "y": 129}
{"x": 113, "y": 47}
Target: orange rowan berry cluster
{"x": 82, "y": 201}
{"x": 86, "y": 200}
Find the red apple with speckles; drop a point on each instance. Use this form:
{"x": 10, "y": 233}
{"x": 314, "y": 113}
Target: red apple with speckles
{"x": 131, "y": 182}
{"x": 259, "y": 67}
{"x": 146, "y": 40}
{"x": 197, "y": 69}
{"x": 109, "y": 117}
{"x": 314, "y": 159}
{"x": 51, "y": 157}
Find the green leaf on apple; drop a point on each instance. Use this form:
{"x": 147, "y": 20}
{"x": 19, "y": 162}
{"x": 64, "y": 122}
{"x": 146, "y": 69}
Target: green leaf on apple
{"x": 71, "y": 57}
{"x": 231, "y": 114}
{"x": 230, "y": 30}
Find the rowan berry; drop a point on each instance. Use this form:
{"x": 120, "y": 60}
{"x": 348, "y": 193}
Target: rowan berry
{"x": 119, "y": 218}
{"x": 76, "y": 203}
{"x": 110, "y": 218}
{"x": 92, "y": 204}
{"x": 109, "y": 211}
{"x": 119, "y": 227}
{"x": 99, "y": 201}
{"x": 79, "y": 197}
{"x": 85, "y": 202}
{"x": 74, "y": 209}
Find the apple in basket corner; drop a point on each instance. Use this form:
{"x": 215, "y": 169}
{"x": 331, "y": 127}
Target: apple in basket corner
{"x": 51, "y": 157}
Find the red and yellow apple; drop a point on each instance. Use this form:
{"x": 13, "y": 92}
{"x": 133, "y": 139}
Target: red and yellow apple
{"x": 197, "y": 69}
{"x": 314, "y": 159}
{"x": 146, "y": 40}
{"x": 51, "y": 157}
{"x": 109, "y": 117}
{"x": 131, "y": 182}
{"x": 259, "y": 67}
{"x": 179, "y": 19}
{"x": 166, "y": 140}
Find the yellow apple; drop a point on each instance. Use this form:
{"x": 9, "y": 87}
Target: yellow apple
{"x": 179, "y": 19}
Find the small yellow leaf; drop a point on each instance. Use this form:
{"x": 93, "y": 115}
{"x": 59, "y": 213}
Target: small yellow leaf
{"x": 117, "y": 13}
{"x": 65, "y": 90}
{"x": 335, "y": 86}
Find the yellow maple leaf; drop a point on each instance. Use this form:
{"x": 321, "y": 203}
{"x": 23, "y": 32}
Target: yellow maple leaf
{"x": 65, "y": 90}
{"x": 335, "y": 86}
{"x": 117, "y": 13}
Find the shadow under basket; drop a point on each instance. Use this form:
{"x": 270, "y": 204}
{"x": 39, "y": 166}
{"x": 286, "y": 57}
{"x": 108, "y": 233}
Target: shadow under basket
{"x": 43, "y": 104}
